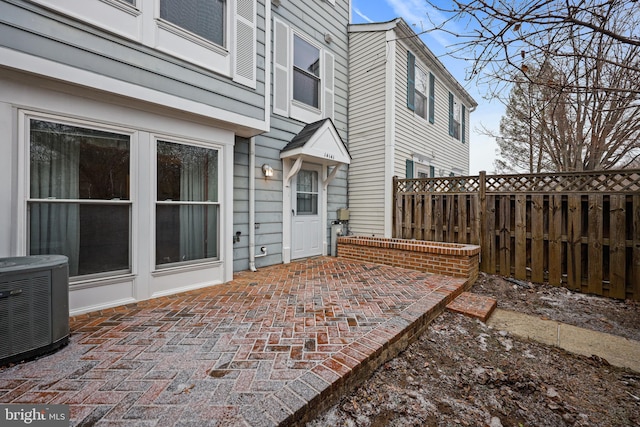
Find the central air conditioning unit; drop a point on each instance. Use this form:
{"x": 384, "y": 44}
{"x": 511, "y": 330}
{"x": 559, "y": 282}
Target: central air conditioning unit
{"x": 34, "y": 306}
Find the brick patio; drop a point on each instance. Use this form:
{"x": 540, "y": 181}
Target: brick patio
{"x": 275, "y": 347}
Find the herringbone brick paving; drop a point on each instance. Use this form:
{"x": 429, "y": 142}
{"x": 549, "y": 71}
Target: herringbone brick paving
{"x": 271, "y": 347}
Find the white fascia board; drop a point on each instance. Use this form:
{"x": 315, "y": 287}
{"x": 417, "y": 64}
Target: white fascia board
{"x": 324, "y": 147}
{"x": 373, "y": 27}
{"x": 17, "y": 60}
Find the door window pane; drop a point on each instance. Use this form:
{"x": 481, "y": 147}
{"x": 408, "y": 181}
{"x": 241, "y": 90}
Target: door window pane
{"x": 307, "y": 193}
{"x": 205, "y": 18}
{"x": 306, "y": 72}
{"x": 187, "y": 214}
{"x": 78, "y": 178}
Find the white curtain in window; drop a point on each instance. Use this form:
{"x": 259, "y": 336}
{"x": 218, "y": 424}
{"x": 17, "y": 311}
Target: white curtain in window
{"x": 191, "y": 216}
{"x": 55, "y": 227}
{"x": 198, "y": 223}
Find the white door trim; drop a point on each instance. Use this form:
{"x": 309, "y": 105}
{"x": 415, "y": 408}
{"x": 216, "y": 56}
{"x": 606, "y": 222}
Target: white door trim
{"x": 287, "y": 206}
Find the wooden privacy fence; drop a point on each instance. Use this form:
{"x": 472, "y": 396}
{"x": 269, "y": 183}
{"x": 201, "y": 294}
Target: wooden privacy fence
{"x": 580, "y": 230}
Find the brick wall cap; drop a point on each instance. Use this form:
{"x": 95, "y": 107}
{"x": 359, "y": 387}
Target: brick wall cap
{"x": 413, "y": 245}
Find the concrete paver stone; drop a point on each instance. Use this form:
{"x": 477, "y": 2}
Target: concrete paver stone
{"x": 616, "y": 350}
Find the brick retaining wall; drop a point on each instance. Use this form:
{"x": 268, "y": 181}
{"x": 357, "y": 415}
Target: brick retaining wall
{"x": 449, "y": 259}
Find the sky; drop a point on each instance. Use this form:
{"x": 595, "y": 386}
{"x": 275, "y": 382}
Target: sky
{"x": 417, "y": 14}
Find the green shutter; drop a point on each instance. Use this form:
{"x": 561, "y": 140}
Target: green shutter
{"x": 464, "y": 123}
{"x": 432, "y": 98}
{"x": 432, "y": 171}
{"x": 450, "y": 114}
{"x": 411, "y": 81}
{"x": 409, "y": 170}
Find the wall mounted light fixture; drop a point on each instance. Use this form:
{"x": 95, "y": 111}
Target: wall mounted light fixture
{"x": 267, "y": 170}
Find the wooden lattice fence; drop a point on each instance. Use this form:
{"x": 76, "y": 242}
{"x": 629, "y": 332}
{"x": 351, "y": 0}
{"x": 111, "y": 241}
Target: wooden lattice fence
{"x": 579, "y": 230}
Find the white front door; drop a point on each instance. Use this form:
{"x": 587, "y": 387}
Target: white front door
{"x": 306, "y": 233}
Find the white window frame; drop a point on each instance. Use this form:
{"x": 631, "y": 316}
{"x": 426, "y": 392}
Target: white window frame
{"x": 422, "y": 164}
{"x": 142, "y": 23}
{"x": 193, "y": 37}
{"x": 283, "y": 102}
{"x": 457, "y": 116}
{"x": 318, "y": 77}
{"x": 117, "y": 16}
{"x": 424, "y": 94}
{"x": 455, "y": 112}
{"x": 299, "y": 110}
{"x": 421, "y": 168}
{"x": 24, "y": 182}
{"x": 181, "y": 43}
{"x": 155, "y": 202}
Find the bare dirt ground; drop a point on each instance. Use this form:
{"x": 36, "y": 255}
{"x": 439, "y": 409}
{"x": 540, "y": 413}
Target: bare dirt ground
{"x": 461, "y": 372}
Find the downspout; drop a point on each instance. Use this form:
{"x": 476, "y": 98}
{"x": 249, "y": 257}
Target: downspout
{"x": 252, "y": 204}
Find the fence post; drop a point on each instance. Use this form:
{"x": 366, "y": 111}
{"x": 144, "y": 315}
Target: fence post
{"x": 482, "y": 198}
{"x": 394, "y": 215}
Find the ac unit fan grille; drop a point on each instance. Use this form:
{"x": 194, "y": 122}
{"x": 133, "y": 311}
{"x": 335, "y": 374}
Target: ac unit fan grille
{"x": 25, "y": 316}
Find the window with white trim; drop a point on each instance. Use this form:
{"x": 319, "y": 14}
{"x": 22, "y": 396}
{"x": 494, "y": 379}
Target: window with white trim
{"x": 218, "y": 35}
{"x": 200, "y": 31}
{"x": 303, "y": 76}
{"x": 420, "y": 89}
{"x": 424, "y": 171}
{"x": 79, "y": 202}
{"x": 422, "y": 93}
{"x": 121, "y": 17}
{"x": 204, "y": 18}
{"x": 456, "y": 118}
{"x": 419, "y": 169}
{"x": 187, "y": 204}
{"x": 306, "y": 72}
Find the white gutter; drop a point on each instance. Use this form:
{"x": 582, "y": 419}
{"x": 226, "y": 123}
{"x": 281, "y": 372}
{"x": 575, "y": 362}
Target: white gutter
{"x": 252, "y": 204}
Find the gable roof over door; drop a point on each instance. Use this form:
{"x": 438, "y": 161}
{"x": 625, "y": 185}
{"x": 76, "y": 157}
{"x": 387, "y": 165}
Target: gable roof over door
{"x": 318, "y": 142}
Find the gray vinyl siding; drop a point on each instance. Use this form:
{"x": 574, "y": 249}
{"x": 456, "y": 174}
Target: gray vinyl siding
{"x": 268, "y": 203}
{"x": 416, "y": 135}
{"x": 241, "y": 204}
{"x": 314, "y": 18}
{"x": 36, "y": 31}
{"x": 367, "y": 132}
